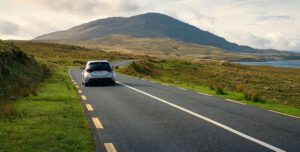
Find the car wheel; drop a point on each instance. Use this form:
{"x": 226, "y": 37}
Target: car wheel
{"x": 86, "y": 84}
{"x": 113, "y": 82}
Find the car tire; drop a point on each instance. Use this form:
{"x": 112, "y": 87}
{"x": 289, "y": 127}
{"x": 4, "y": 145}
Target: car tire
{"x": 86, "y": 84}
{"x": 113, "y": 82}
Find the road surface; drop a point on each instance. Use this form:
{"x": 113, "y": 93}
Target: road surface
{"x": 141, "y": 116}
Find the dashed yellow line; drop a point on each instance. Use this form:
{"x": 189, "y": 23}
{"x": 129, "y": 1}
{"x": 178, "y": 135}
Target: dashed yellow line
{"x": 79, "y": 91}
{"x": 284, "y": 114}
{"x": 97, "y": 123}
{"x": 89, "y": 107}
{"x": 110, "y": 147}
{"x": 77, "y": 86}
{"x": 236, "y": 102}
{"x": 83, "y": 97}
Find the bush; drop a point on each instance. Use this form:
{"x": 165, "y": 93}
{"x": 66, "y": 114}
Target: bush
{"x": 218, "y": 89}
{"x": 7, "y": 110}
{"x": 253, "y": 96}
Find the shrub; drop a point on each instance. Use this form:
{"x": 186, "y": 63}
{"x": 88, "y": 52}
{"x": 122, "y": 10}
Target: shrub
{"x": 218, "y": 89}
{"x": 240, "y": 87}
{"x": 253, "y": 96}
{"x": 7, "y": 110}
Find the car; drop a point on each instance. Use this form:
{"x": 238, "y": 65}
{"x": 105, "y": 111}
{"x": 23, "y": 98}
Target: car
{"x": 99, "y": 71}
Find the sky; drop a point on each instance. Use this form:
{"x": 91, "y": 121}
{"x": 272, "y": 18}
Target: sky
{"x": 257, "y": 23}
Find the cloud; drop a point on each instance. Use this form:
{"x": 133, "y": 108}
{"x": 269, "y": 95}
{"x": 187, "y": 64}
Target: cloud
{"x": 87, "y": 7}
{"x": 273, "y": 18}
{"x": 273, "y": 40}
{"x": 8, "y": 27}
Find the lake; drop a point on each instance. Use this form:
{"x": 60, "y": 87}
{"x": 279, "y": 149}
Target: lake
{"x": 285, "y": 63}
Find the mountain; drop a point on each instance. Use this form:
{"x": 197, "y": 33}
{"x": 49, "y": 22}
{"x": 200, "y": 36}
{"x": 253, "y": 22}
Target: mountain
{"x": 149, "y": 25}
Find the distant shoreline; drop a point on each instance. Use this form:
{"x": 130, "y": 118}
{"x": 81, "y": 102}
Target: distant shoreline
{"x": 278, "y": 63}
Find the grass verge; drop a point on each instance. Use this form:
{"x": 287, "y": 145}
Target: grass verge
{"x": 203, "y": 77}
{"x": 51, "y": 120}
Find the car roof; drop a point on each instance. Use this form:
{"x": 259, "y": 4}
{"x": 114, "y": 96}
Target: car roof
{"x": 97, "y": 61}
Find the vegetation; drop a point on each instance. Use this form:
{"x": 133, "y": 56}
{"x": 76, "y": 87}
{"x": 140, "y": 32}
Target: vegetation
{"x": 51, "y": 120}
{"x": 20, "y": 74}
{"x": 66, "y": 55}
{"x": 49, "y": 117}
{"x": 264, "y": 86}
{"x": 162, "y": 47}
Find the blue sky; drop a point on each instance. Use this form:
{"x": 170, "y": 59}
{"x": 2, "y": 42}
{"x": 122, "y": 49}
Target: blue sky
{"x": 258, "y": 23}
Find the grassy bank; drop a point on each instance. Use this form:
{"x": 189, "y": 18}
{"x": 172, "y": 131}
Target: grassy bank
{"x": 50, "y": 120}
{"x": 266, "y": 87}
{"x": 20, "y": 74}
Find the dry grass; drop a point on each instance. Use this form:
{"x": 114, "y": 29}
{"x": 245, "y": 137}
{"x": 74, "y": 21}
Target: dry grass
{"x": 257, "y": 83}
{"x": 157, "y": 47}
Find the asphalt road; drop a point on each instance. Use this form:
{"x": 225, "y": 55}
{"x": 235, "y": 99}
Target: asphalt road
{"x": 142, "y": 116}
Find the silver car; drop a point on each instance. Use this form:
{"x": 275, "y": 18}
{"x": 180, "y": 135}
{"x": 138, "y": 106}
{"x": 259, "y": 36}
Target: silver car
{"x": 98, "y": 71}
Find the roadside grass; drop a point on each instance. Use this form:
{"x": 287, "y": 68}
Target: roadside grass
{"x": 187, "y": 75}
{"x": 51, "y": 120}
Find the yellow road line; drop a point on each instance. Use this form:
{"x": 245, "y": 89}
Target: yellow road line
{"x": 285, "y": 114}
{"x": 79, "y": 91}
{"x": 77, "y": 86}
{"x": 236, "y": 102}
{"x": 89, "y": 107}
{"x": 83, "y": 97}
{"x": 97, "y": 123}
{"x": 110, "y": 147}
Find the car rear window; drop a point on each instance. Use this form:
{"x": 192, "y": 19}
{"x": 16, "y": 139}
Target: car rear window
{"x": 99, "y": 66}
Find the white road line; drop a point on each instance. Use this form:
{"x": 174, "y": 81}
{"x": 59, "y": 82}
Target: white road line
{"x": 97, "y": 123}
{"x": 205, "y": 94}
{"x": 236, "y": 102}
{"x": 83, "y": 97}
{"x": 165, "y": 84}
{"x": 182, "y": 88}
{"x": 110, "y": 147}
{"x": 79, "y": 91}
{"x": 209, "y": 120}
{"x": 89, "y": 107}
{"x": 284, "y": 114}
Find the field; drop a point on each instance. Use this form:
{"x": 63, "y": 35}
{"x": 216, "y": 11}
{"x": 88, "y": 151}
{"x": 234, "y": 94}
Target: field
{"x": 268, "y": 87}
{"x": 159, "y": 47}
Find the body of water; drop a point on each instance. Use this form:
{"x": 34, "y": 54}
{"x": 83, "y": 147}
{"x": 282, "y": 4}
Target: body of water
{"x": 285, "y": 63}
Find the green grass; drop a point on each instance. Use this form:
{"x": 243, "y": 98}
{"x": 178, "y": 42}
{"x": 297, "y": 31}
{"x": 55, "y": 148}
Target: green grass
{"x": 53, "y": 120}
{"x": 281, "y": 95}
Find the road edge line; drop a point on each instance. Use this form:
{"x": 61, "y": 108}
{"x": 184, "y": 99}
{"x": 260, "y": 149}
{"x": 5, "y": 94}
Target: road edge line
{"x": 269, "y": 146}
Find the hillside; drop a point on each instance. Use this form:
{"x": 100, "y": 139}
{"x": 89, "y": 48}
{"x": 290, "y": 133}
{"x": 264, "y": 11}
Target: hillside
{"x": 162, "y": 47}
{"x": 155, "y": 26}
